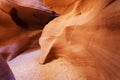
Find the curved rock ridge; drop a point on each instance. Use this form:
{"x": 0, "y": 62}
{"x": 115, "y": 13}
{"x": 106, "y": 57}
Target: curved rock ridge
{"x": 86, "y": 35}
{"x": 81, "y": 44}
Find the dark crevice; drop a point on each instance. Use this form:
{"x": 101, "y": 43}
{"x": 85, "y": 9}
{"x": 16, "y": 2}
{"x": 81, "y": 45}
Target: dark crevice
{"x": 38, "y": 25}
{"x": 16, "y": 18}
{"x": 51, "y": 56}
{"x": 112, "y": 1}
{"x": 50, "y": 59}
{"x": 54, "y": 15}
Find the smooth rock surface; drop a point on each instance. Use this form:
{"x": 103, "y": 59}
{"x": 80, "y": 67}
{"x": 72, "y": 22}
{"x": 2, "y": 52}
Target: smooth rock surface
{"x": 81, "y": 44}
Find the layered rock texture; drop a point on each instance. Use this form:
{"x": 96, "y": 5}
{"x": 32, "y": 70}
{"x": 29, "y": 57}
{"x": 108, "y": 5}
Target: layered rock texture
{"x": 81, "y": 44}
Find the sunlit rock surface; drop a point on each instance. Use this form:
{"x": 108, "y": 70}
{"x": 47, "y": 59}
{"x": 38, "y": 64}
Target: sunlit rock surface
{"x": 81, "y": 44}
{"x": 86, "y": 35}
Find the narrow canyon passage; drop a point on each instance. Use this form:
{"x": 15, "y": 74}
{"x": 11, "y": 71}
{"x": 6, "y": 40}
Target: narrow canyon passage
{"x": 81, "y": 43}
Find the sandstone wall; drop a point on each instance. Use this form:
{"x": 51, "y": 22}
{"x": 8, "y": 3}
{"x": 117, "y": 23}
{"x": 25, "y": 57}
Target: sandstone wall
{"x": 81, "y": 44}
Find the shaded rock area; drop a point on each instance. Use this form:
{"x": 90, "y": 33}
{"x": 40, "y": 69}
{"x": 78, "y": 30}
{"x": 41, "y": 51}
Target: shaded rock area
{"x": 22, "y": 22}
{"x": 83, "y": 43}
{"x": 21, "y": 25}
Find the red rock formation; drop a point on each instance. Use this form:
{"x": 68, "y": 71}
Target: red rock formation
{"x": 86, "y": 35}
{"x": 81, "y": 44}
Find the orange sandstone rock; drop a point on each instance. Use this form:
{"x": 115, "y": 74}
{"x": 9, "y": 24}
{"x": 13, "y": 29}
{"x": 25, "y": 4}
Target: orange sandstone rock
{"x": 86, "y": 35}
{"x": 81, "y": 44}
